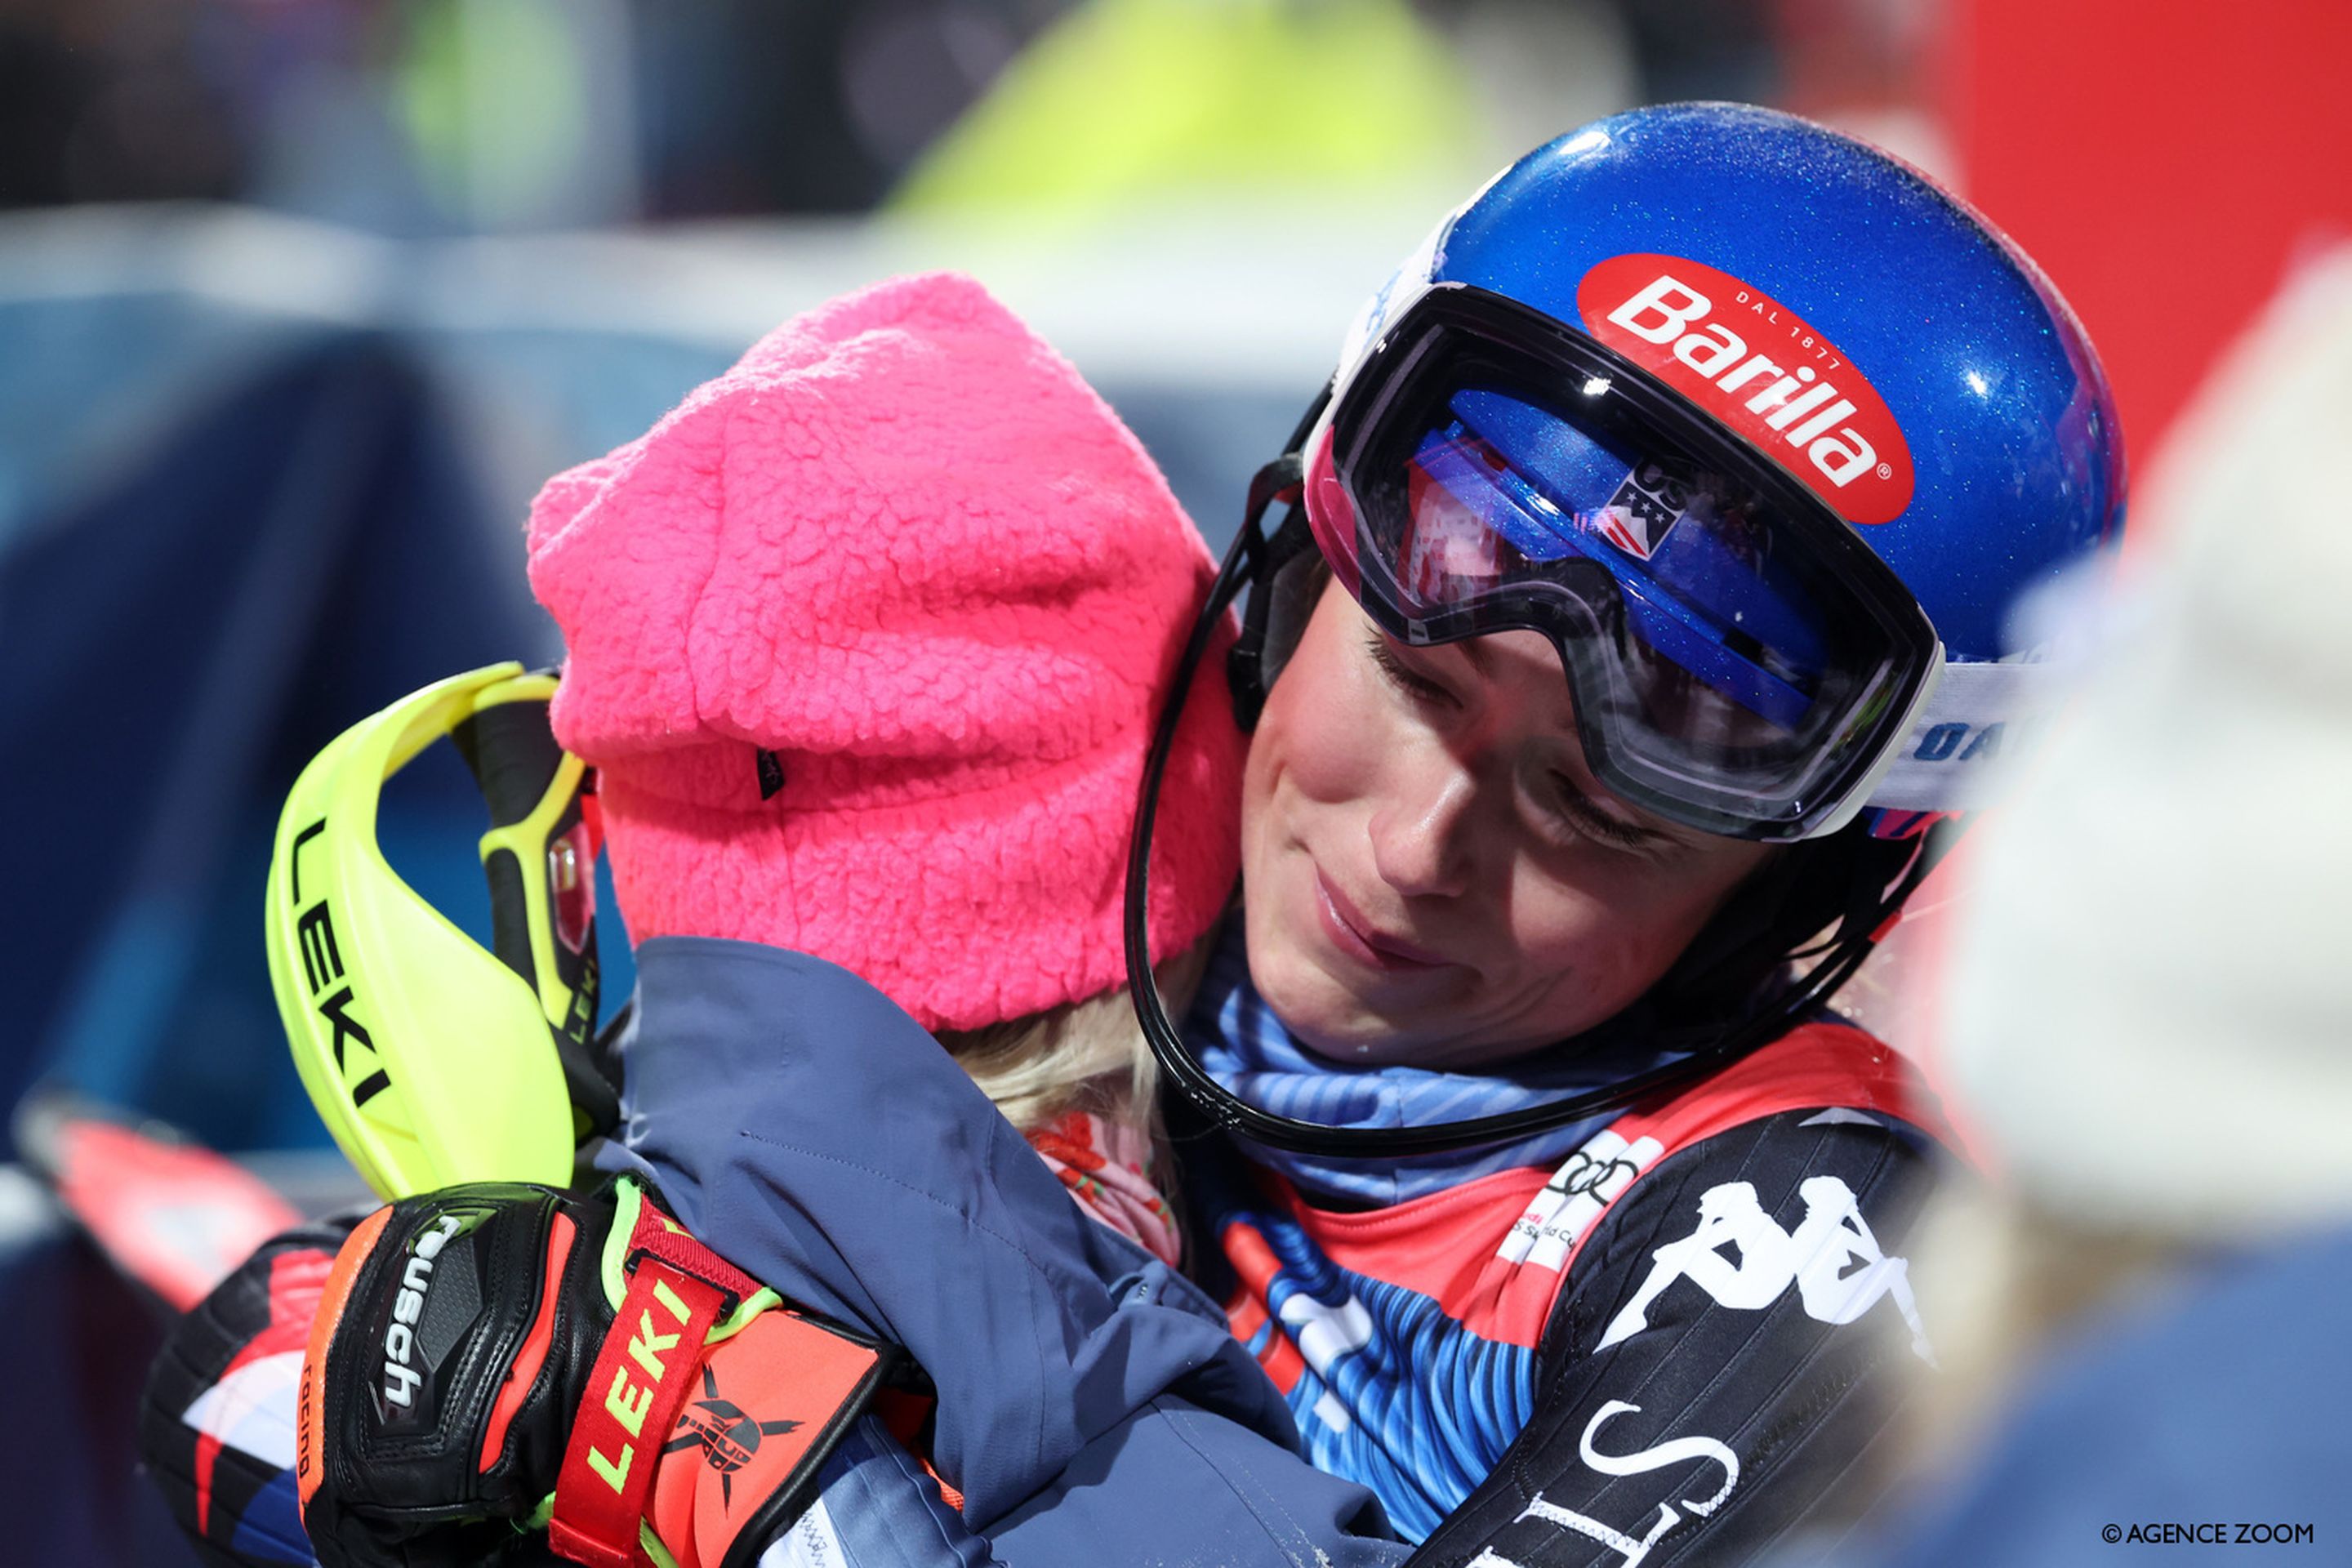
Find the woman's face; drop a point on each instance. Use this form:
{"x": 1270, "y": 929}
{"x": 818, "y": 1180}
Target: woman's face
{"x": 1433, "y": 875}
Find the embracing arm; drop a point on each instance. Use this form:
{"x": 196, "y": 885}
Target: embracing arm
{"x": 1170, "y": 1482}
{"x": 1733, "y": 1338}
{"x": 1089, "y": 1396}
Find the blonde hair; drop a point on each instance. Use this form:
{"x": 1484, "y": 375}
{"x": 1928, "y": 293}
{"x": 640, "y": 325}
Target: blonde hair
{"x": 1088, "y": 1056}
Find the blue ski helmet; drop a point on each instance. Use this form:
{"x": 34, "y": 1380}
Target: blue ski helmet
{"x": 1766, "y": 432}
{"x": 1769, "y": 436}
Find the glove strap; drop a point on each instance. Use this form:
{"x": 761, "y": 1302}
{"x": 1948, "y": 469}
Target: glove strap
{"x": 713, "y": 1481}
{"x": 640, "y": 1383}
{"x": 678, "y": 1290}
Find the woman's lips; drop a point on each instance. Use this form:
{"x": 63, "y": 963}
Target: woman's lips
{"x": 1348, "y": 930}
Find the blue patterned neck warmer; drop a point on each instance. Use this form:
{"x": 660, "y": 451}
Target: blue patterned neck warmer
{"x": 1253, "y": 1056}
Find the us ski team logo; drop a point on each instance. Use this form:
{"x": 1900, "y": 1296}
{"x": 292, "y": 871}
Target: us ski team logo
{"x": 1762, "y": 369}
{"x": 1653, "y": 499}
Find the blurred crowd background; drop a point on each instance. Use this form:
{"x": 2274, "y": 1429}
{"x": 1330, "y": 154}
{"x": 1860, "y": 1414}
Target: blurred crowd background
{"x": 299, "y": 299}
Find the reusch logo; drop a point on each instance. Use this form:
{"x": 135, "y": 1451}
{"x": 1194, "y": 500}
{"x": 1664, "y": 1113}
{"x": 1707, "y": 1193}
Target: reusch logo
{"x": 400, "y": 1377}
{"x": 1762, "y": 369}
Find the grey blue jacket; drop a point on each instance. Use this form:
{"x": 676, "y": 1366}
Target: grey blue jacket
{"x": 1094, "y": 1406}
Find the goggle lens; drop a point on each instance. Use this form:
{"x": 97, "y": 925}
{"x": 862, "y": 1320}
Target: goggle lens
{"x": 1726, "y": 670}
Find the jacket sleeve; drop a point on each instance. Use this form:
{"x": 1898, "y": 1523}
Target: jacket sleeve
{"x": 1733, "y": 1337}
{"x": 799, "y": 1122}
{"x": 1170, "y": 1484}
{"x": 1174, "y": 1484}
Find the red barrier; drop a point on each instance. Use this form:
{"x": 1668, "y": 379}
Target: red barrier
{"x": 2165, "y": 160}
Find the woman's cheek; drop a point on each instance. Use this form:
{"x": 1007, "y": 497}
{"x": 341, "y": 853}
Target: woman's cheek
{"x": 1608, "y": 933}
{"x": 1336, "y": 752}
{"x": 1572, "y": 933}
{"x": 1324, "y": 732}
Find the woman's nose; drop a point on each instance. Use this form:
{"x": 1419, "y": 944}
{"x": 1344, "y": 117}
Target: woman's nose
{"x": 1420, "y": 829}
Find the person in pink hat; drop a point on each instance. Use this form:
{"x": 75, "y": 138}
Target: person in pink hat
{"x": 866, "y": 641}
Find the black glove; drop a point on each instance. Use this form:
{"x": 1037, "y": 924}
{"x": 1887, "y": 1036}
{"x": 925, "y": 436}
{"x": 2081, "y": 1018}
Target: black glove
{"x": 489, "y": 1360}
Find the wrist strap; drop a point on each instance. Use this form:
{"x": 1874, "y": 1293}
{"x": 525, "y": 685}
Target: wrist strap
{"x": 767, "y": 1407}
{"x": 634, "y": 1392}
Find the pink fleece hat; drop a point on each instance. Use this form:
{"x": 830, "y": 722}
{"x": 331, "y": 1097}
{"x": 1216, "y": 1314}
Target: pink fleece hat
{"x": 905, "y": 553}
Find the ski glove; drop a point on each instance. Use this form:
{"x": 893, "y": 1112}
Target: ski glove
{"x": 491, "y": 1359}
{"x": 216, "y": 1422}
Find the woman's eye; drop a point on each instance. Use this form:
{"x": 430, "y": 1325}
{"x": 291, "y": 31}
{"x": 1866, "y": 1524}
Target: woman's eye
{"x": 1410, "y": 681}
{"x": 1576, "y": 808}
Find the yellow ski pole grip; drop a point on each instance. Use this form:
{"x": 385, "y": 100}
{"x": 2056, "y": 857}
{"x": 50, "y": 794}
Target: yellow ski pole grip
{"x": 431, "y": 1061}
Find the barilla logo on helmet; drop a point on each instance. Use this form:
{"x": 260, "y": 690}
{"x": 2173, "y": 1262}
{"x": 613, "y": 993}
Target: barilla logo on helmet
{"x": 1760, "y": 368}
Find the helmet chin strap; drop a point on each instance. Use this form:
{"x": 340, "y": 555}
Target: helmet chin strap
{"x": 1250, "y": 561}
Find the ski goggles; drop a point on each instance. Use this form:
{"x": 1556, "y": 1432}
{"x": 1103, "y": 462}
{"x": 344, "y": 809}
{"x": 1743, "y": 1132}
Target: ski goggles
{"x": 1740, "y": 661}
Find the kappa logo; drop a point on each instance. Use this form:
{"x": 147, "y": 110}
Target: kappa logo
{"x": 1832, "y": 1257}
{"x": 1795, "y": 396}
{"x": 1657, "y": 1457}
{"x": 728, "y": 1437}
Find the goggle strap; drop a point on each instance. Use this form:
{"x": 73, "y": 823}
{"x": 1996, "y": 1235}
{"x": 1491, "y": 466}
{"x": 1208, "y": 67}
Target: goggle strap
{"x": 1263, "y": 556}
{"x": 1978, "y": 713}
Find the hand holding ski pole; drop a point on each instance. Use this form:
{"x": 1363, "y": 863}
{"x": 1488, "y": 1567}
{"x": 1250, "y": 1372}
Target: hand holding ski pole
{"x": 650, "y": 1390}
